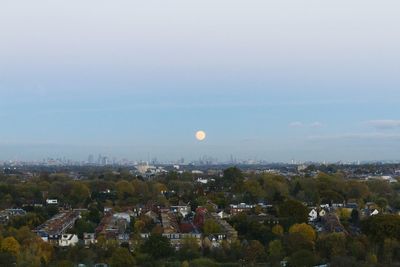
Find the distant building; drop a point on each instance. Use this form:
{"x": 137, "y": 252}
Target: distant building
{"x": 68, "y": 240}
{"x": 51, "y": 201}
{"x": 228, "y": 232}
{"x": 182, "y": 209}
{"x": 52, "y": 230}
{"x": 242, "y": 207}
{"x": 223, "y": 215}
{"x": 7, "y": 214}
{"x": 89, "y": 238}
{"x": 313, "y": 215}
{"x": 114, "y": 226}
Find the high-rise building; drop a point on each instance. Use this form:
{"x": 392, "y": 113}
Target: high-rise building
{"x": 91, "y": 159}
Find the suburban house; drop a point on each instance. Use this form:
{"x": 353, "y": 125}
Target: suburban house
{"x": 52, "y": 230}
{"x": 68, "y": 240}
{"x": 89, "y": 238}
{"x": 313, "y": 215}
{"x": 242, "y": 207}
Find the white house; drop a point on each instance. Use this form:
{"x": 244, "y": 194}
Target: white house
{"x": 68, "y": 240}
{"x": 88, "y": 239}
{"x": 322, "y": 213}
{"x": 202, "y": 181}
{"x": 122, "y": 215}
{"x": 52, "y": 201}
{"x": 313, "y": 215}
{"x": 324, "y": 206}
{"x": 374, "y": 212}
{"x": 182, "y": 209}
{"x": 223, "y": 215}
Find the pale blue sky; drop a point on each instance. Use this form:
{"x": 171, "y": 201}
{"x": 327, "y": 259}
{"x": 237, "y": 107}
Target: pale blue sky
{"x": 274, "y": 80}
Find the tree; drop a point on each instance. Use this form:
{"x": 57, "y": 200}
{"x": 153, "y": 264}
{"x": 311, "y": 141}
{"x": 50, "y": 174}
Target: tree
{"x": 296, "y": 241}
{"x": 382, "y": 203}
{"x": 211, "y": 227}
{"x": 203, "y": 262}
{"x": 277, "y": 230}
{"x": 254, "y": 251}
{"x": 79, "y": 193}
{"x": 357, "y": 190}
{"x": 355, "y": 217}
{"x": 158, "y": 247}
{"x": 124, "y": 189}
{"x": 357, "y": 247}
{"x": 122, "y": 258}
{"x": 190, "y": 249}
{"x": 294, "y": 211}
{"x": 380, "y": 227}
{"x": 343, "y": 214}
{"x": 302, "y": 258}
{"x": 390, "y": 249}
{"x": 7, "y": 259}
{"x": 340, "y": 261}
{"x": 139, "y": 226}
{"x": 332, "y": 245}
{"x": 83, "y": 226}
{"x": 305, "y": 230}
{"x": 275, "y": 252}
{"x": 254, "y": 191}
{"x": 233, "y": 177}
{"x": 275, "y": 186}
{"x": 35, "y": 252}
{"x": 11, "y": 245}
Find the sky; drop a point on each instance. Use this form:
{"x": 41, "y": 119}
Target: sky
{"x": 272, "y": 80}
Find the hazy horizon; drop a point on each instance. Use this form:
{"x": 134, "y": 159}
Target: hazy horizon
{"x": 264, "y": 79}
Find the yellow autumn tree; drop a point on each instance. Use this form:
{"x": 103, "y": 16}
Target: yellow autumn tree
{"x": 11, "y": 245}
{"x": 305, "y": 230}
{"x": 277, "y": 230}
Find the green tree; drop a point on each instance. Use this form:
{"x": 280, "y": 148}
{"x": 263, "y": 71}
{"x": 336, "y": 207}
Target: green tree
{"x": 275, "y": 187}
{"x": 391, "y": 248}
{"x": 190, "y": 249}
{"x": 79, "y": 193}
{"x": 254, "y": 251}
{"x": 331, "y": 245}
{"x": 380, "y": 227}
{"x": 294, "y": 211}
{"x": 297, "y": 241}
{"x": 211, "y": 227}
{"x": 124, "y": 189}
{"x": 203, "y": 262}
{"x": 121, "y": 257}
{"x": 7, "y": 259}
{"x": 233, "y": 177}
{"x": 158, "y": 247}
{"x": 302, "y": 258}
{"x": 275, "y": 252}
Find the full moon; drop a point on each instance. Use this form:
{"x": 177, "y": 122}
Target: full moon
{"x": 200, "y": 135}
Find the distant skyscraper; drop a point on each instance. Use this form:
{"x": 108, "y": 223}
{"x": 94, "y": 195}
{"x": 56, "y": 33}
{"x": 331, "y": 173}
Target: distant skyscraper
{"x": 91, "y": 159}
{"x": 104, "y": 161}
{"x": 99, "y": 159}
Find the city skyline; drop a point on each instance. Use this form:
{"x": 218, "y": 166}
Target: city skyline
{"x": 274, "y": 81}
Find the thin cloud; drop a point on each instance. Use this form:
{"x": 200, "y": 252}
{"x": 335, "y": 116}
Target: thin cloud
{"x": 316, "y": 124}
{"x": 382, "y": 136}
{"x": 384, "y": 124}
{"x": 299, "y": 124}
{"x": 296, "y": 124}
